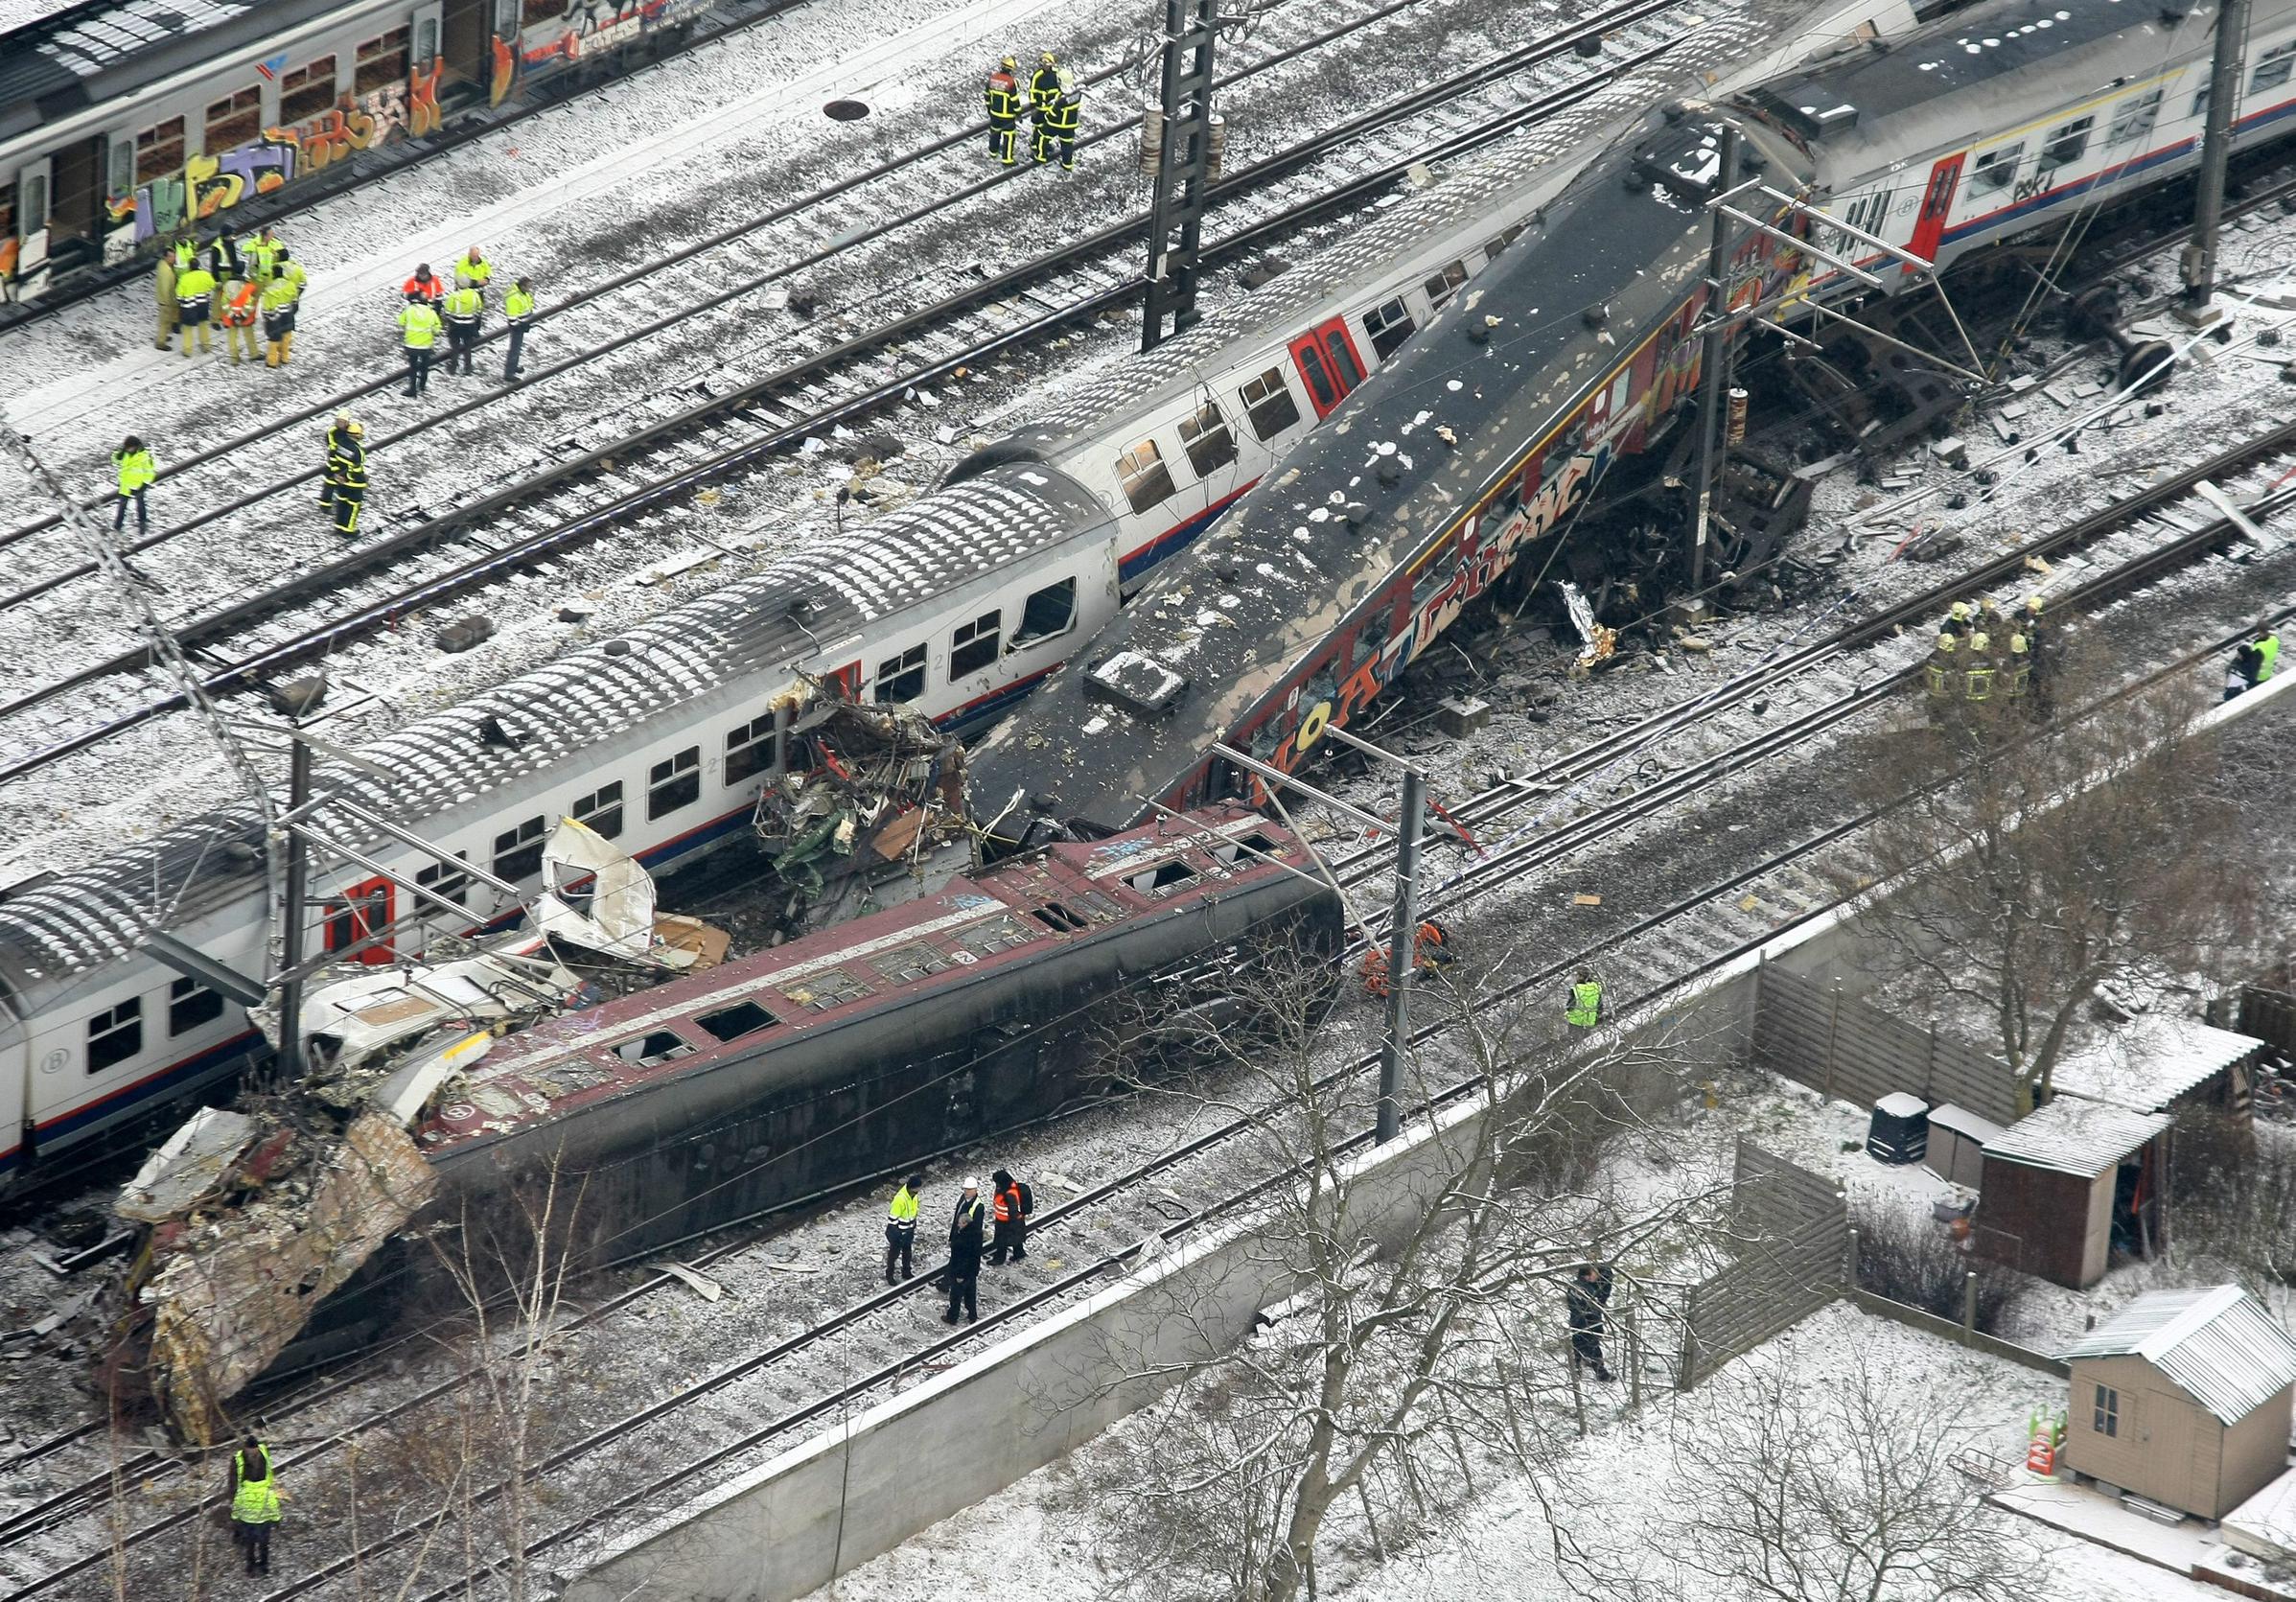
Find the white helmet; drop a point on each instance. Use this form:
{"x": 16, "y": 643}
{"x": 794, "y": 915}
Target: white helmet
{"x": 1068, "y": 83}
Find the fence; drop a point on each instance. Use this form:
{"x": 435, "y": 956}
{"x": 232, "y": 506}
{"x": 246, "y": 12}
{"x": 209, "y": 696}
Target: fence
{"x": 1792, "y": 1227}
{"x": 1841, "y": 1046}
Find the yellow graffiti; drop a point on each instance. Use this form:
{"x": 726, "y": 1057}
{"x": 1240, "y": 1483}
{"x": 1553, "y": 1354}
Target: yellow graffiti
{"x": 422, "y": 100}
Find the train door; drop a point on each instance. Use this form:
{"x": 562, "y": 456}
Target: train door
{"x": 467, "y": 42}
{"x": 1929, "y": 228}
{"x": 425, "y": 37}
{"x": 76, "y": 205}
{"x": 1328, "y": 361}
{"x": 24, "y": 236}
{"x": 361, "y": 911}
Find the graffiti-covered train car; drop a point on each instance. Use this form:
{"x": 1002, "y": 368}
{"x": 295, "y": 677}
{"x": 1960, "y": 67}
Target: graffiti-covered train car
{"x": 123, "y": 121}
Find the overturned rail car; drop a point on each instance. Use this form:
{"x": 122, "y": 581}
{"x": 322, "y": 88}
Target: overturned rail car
{"x": 904, "y": 1032}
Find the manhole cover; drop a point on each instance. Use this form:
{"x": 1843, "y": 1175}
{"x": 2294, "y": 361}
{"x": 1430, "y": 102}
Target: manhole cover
{"x": 846, "y": 111}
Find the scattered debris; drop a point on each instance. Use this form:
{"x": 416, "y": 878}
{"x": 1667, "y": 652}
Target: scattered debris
{"x": 701, "y": 1284}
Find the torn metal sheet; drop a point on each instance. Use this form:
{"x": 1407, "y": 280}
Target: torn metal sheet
{"x": 595, "y": 895}
{"x": 356, "y": 1014}
{"x": 188, "y": 1167}
{"x": 227, "y": 1295}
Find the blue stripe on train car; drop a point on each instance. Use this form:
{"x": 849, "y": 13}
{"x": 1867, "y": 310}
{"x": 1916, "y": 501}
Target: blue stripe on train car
{"x": 1175, "y": 540}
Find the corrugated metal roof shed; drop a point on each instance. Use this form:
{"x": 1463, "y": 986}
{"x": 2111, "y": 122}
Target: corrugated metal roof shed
{"x": 2218, "y": 1344}
{"x": 2153, "y": 1062}
{"x": 2074, "y": 1136}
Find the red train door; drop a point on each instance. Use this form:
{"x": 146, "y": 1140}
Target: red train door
{"x": 357, "y": 912}
{"x": 1328, "y": 363}
{"x": 1935, "y": 202}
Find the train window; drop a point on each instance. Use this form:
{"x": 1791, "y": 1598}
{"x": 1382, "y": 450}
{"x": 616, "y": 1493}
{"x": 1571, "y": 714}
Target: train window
{"x": 1050, "y": 611}
{"x": 517, "y": 852}
{"x": 160, "y": 150}
{"x": 1057, "y": 918}
{"x": 750, "y": 748}
{"x": 1267, "y": 402}
{"x": 2133, "y": 119}
{"x": 191, "y": 1004}
{"x": 307, "y": 91}
{"x": 1435, "y": 577}
{"x": 426, "y": 41}
{"x": 1445, "y": 285}
{"x": 819, "y": 992}
{"x": 901, "y": 678}
{"x": 647, "y": 1050}
{"x": 351, "y": 917}
{"x": 35, "y": 216}
{"x": 122, "y": 154}
{"x": 1344, "y": 366}
{"x": 601, "y": 810}
{"x": 1390, "y": 325}
{"x": 731, "y": 1023}
{"x": 674, "y": 783}
{"x": 381, "y": 62}
{"x": 1147, "y": 480}
{"x": 446, "y": 880}
{"x": 1211, "y": 443}
{"x": 1372, "y": 634}
{"x": 234, "y": 122}
{"x": 1997, "y": 170}
{"x": 2066, "y": 144}
{"x": 115, "y": 1035}
{"x": 1865, "y": 212}
{"x": 974, "y": 645}
{"x": 2273, "y": 67}
{"x": 2200, "y": 103}
{"x": 918, "y": 960}
{"x": 1319, "y": 382}
{"x": 1492, "y": 247}
{"x": 1168, "y": 874}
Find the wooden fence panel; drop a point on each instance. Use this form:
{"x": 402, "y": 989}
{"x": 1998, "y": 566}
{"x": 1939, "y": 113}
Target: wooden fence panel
{"x": 1792, "y": 1227}
{"x": 1848, "y": 1049}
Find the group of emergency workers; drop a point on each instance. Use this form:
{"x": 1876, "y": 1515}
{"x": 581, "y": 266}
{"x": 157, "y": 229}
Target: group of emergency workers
{"x": 1011, "y": 1203}
{"x": 1982, "y": 653}
{"x": 460, "y": 314}
{"x": 1054, "y": 100}
{"x": 233, "y": 285}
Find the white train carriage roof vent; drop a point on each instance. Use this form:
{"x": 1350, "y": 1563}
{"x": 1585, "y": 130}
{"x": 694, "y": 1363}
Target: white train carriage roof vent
{"x": 1136, "y": 683}
{"x": 1812, "y": 109}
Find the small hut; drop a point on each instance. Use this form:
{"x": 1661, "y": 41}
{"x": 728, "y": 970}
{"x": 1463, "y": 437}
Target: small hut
{"x": 2182, "y": 1398}
{"x": 2062, "y": 1187}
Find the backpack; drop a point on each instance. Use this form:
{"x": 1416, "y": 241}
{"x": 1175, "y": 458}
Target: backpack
{"x": 1028, "y": 1197}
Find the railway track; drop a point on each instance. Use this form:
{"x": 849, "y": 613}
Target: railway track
{"x": 740, "y": 428}
{"x": 872, "y": 1347}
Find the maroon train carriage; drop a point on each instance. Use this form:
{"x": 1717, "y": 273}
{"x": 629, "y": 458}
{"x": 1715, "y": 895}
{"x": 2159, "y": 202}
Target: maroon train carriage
{"x": 881, "y": 1040}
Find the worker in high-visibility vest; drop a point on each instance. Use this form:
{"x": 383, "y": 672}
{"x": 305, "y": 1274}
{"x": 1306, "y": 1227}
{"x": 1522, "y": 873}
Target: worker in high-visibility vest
{"x": 418, "y": 331}
{"x": 464, "y": 308}
{"x": 195, "y": 303}
{"x": 1977, "y": 670}
{"x": 254, "y": 1503}
{"x": 239, "y": 317}
{"x": 518, "y": 309}
{"x": 1003, "y": 97}
{"x": 900, "y": 1224}
{"x": 1586, "y": 1008}
{"x": 281, "y": 299}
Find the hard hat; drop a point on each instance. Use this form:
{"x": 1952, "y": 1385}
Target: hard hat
{"x": 1068, "y": 82}
{"x": 970, "y": 1183}
{"x": 1980, "y": 640}
{"x": 1010, "y": 63}
{"x": 354, "y": 430}
{"x": 1959, "y": 612}
{"x": 343, "y": 417}
{"x": 1984, "y": 604}
{"x": 1945, "y": 643}
{"x": 2033, "y": 604}
{"x": 1048, "y": 58}
{"x": 2017, "y": 644}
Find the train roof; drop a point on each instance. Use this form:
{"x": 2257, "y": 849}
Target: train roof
{"x": 54, "y": 929}
{"x": 47, "y": 60}
{"x": 972, "y": 928}
{"x": 1860, "y": 102}
{"x": 1220, "y": 627}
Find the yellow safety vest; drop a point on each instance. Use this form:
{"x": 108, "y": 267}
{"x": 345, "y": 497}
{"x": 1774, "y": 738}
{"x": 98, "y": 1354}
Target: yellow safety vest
{"x": 421, "y": 326}
{"x": 254, "y": 1501}
{"x": 1585, "y": 1004}
{"x": 904, "y": 1207}
{"x": 137, "y": 470}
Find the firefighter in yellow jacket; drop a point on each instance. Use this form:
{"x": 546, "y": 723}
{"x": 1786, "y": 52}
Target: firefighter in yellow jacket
{"x": 195, "y": 303}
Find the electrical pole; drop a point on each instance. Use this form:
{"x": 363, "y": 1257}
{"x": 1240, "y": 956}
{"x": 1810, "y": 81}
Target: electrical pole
{"x": 1183, "y": 169}
{"x": 1402, "y": 953}
{"x": 2197, "y": 265}
{"x": 1711, "y": 359}
{"x": 290, "y": 914}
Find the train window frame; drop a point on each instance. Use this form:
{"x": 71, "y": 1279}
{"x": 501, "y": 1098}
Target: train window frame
{"x": 1446, "y": 282}
{"x": 977, "y": 645}
{"x": 190, "y": 1005}
{"x": 653, "y": 1048}
{"x": 601, "y": 810}
{"x": 1144, "y": 476}
{"x": 448, "y": 881}
{"x": 750, "y": 748}
{"x": 160, "y": 151}
{"x": 674, "y": 783}
{"x": 1496, "y": 246}
{"x": 308, "y": 91}
{"x": 2280, "y": 62}
{"x": 1274, "y": 398}
{"x": 1162, "y": 878}
{"x": 2133, "y": 119}
{"x": 1036, "y": 628}
{"x": 514, "y": 846}
{"x": 899, "y": 677}
{"x": 380, "y": 62}
{"x": 1208, "y": 439}
{"x": 2066, "y": 143}
{"x": 240, "y": 123}
{"x": 735, "y": 1021}
{"x": 1996, "y": 170}
{"x": 115, "y": 1035}
{"x": 1389, "y": 326}
{"x": 1866, "y": 212}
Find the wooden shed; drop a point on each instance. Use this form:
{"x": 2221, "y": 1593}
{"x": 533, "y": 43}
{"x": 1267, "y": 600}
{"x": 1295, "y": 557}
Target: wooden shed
{"x": 2062, "y": 1187}
{"x": 2182, "y": 1398}
{"x": 1957, "y": 1145}
{"x": 2164, "y": 1064}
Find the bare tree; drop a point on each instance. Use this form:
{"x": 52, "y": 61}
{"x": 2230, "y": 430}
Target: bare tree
{"x": 2030, "y": 870}
{"x": 1418, "y": 1316}
{"x": 1835, "y": 1491}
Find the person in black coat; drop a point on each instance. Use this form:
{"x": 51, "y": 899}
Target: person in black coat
{"x": 965, "y": 1230}
{"x": 1587, "y": 1297}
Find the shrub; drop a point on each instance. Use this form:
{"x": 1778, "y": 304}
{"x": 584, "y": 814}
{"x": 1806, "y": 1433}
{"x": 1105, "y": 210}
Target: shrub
{"x": 1910, "y": 1258}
